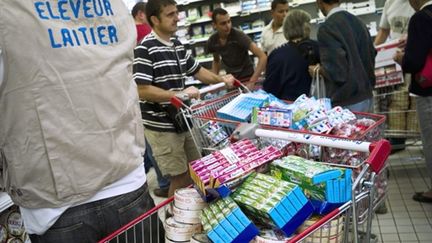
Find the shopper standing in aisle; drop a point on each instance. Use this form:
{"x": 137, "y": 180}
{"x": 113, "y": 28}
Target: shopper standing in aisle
{"x": 287, "y": 74}
{"x": 272, "y": 35}
{"x": 142, "y": 27}
{"x": 71, "y": 137}
{"x": 347, "y": 58}
{"x": 413, "y": 59}
{"x": 394, "y": 20}
{"x": 160, "y": 66}
{"x": 230, "y": 47}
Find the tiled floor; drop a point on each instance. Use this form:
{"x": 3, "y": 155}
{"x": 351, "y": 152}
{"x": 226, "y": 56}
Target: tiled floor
{"x": 406, "y": 220}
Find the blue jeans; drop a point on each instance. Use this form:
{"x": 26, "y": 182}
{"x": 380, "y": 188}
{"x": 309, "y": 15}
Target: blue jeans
{"x": 362, "y": 106}
{"x": 424, "y": 113}
{"x": 93, "y": 221}
{"x": 149, "y": 161}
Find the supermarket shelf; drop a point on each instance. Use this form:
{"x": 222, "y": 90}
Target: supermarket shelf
{"x": 203, "y": 60}
{"x": 252, "y": 31}
{"x": 186, "y": 2}
{"x": 5, "y": 201}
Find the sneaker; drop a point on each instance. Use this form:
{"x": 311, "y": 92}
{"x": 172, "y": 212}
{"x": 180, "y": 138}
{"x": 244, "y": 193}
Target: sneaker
{"x": 161, "y": 192}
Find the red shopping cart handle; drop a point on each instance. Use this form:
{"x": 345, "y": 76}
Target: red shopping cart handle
{"x": 379, "y": 153}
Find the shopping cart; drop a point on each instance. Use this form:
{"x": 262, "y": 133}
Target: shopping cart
{"x": 198, "y": 113}
{"x": 204, "y": 113}
{"x": 343, "y": 218}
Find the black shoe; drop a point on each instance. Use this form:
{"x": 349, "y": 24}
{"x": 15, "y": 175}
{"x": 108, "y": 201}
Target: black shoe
{"x": 418, "y": 196}
{"x": 161, "y": 192}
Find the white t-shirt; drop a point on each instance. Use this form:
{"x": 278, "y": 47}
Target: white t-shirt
{"x": 37, "y": 221}
{"x": 271, "y": 40}
{"x": 396, "y": 16}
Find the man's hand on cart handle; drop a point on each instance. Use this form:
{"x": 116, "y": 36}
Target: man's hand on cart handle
{"x": 229, "y": 80}
{"x": 192, "y": 92}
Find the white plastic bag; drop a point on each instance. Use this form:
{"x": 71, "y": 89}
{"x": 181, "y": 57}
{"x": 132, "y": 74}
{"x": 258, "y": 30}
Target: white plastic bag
{"x": 318, "y": 89}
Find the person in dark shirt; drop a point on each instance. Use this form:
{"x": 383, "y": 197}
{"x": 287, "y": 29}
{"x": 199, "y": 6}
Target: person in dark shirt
{"x": 413, "y": 59}
{"x": 347, "y": 57}
{"x": 287, "y": 74}
{"x": 231, "y": 47}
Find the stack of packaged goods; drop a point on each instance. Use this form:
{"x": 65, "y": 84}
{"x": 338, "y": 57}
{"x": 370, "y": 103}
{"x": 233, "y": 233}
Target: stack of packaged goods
{"x": 224, "y": 221}
{"x": 233, "y": 162}
{"x": 186, "y": 216}
{"x": 324, "y": 185}
{"x": 240, "y": 108}
{"x": 273, "y": 202}
{"x": 12, "y": 226}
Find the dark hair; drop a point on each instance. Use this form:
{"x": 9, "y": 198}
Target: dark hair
{"x": 216, "y": 12}
{"x": 330, "y": 1}
{"x": 154, "y": 8}
{"x": 276, "y": 2}
{"x": 141, "y": 6}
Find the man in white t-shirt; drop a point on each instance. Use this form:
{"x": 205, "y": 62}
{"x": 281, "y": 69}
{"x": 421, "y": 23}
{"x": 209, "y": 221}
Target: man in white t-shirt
{"x": 394, "y": 20}
{"x": 272, "y": 34}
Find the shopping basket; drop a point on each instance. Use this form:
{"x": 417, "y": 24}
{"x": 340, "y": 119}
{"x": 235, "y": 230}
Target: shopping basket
{"x": 344, "y": 217}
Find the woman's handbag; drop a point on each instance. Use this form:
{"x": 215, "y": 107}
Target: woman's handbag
{"x": 424, "y": 77}
{"x": 318, "y": 89}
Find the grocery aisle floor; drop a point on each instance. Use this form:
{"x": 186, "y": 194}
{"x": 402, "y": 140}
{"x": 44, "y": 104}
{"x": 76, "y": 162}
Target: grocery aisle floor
{"x": 406, "y": 220}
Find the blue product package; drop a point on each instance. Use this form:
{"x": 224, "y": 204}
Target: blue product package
{"x": 214, "y": 237}
{"x": 220, "y": 231}
{"x": 300, "y": 196}
{"x": 227, "y": 226}
{"x": 325, "y": 176}
{"x": 283, "y": 212}
{"x": 241, "y": 217}
{"x": 342, "y": 191}
{"x": 276, "y": 217}
{"x": 288, "y": 206}
{"x": 336, "y": 191}
{"x": 235, "y": 222}
{"x": 329, "y": 191}
{"x": 294, "y": 201}
{"x": 348, "y": 183}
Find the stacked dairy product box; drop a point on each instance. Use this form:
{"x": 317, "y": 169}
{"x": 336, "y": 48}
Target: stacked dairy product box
{"x": 321, "y": 183}
{"x": 273, "y": 202}
{"x": 185, "y": 221}
{"x": 224, "y": 221}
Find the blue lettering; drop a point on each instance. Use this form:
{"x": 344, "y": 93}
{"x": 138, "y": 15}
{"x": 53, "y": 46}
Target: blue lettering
{"x": 108, "y": 9}
{"x": 39, "y": 10}
{"x": 51, "y": 12}
{"x": 66, "y": 37}
{"x": 83, "y": 31}
{"x": 51, "y": 37}
{"x": 76, "y": 37}
{"x": 101, "y": 35}
{"x": 87, "y": 9}
{"x": 75, "y": 7}
{"x": 112, "y": 34}
{"x": 92, "y": 34}
{"x": 98, "y": 10}
{"x": 62, "y": 10}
